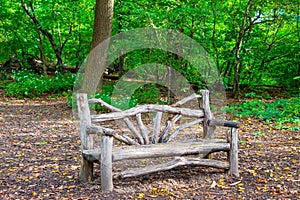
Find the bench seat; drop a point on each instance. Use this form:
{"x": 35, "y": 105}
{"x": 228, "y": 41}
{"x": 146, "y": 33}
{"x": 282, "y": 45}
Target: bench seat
{"x": 181, "y": 148}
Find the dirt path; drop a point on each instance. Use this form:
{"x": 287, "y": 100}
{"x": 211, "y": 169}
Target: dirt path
{"x": 39, "y": 159}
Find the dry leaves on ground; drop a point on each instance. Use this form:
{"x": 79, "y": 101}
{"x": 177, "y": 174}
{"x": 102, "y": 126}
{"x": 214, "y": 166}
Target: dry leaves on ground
{"x": 40, "y": 155}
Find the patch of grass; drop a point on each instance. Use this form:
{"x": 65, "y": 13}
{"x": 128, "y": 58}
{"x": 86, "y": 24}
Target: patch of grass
{"x": 254, "y": 95}
{"x": 281, "y": 110}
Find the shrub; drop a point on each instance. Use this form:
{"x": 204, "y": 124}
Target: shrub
{"x": 147, "y": 94}
{"x": 281, "y": 110}
{"x": 28, "y": 84}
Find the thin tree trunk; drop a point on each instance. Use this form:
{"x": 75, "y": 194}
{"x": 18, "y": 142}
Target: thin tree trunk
{"x": 43, "y": 56}
{"x": 214, "y": 35}
{"x": 57, "y": 49}
{"x": 78, "y": 49}
{"x": 238, "y": 47}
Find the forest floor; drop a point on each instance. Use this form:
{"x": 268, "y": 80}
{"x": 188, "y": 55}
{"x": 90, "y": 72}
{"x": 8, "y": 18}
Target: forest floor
{"x": 40, "y": 156}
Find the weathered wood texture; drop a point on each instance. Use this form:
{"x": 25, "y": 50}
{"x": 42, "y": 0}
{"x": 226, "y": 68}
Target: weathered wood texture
{"x": 143, "y": 134}
{"x": 180, "y": 128}
{"x": 110, "y": 132}
{"x": 106, "y": 163}
{"x": 86, "y": 170}
{"x": 182, "y": 148}
{"x": 233, "y": 154}
{"x": 85, "y": 120}
{"x": 127, "y": 121}
{"x": 143, "y": 128}
{"x": 156, "y": 127}
{"x": 223, "y": 123}
{"x": 186, "y": 99}
{"x": 169, "y": 124}
{"x": 158, "y": 144}
{"x": 146, "y": 109}
{"x": 178, "y": 161}
{"x": 207, "y": 129}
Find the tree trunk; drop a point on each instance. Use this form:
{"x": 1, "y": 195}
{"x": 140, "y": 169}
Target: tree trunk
{"x": 298, "y": 34}
{"x": 238, "y": 48}
{"x": 96, "y": 63}
{"x": 43, "y": 56}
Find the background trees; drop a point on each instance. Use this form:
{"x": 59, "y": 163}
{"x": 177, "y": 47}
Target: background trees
{"x": 253, "y": 43}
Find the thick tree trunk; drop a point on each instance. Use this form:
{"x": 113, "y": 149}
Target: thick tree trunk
{"x": 96, "y": 64}
{"x": 102, "y": 21}
{"x": 297, "y": 26}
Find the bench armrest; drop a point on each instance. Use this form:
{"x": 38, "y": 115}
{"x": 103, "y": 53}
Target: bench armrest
{"x": 215, "y": 122}
{"x": 99, "y": 130}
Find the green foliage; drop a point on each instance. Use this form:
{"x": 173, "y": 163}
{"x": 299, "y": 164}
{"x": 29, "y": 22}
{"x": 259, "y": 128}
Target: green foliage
{"x": 147, "y": 94}
{"x": 281, "y": 110}
{"x": 105, "y": 95}
{"x": 269, "y": 54}
{"x": 28, "y": 84}
{"x": 254, "y": 95}
{"x": 19, "y": 36}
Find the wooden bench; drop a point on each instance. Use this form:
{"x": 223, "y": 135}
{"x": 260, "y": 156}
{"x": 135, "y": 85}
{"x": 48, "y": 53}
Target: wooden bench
{"x": 161, "y": 143}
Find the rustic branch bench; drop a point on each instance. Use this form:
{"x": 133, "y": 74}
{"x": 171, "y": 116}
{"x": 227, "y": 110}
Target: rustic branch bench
{"x": 160, "y": 143}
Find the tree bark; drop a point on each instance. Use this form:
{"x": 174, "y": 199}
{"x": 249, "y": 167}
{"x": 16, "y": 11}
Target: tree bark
{"x": 96, "y": 64}
{"x": 42, "y": 52}
{"x": 238, "y": 48}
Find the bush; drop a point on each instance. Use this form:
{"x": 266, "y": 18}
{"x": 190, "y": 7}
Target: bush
{"x": 28, "y": 84}
{"x": 281, "y": 110}
{"x": 147, "y": 94}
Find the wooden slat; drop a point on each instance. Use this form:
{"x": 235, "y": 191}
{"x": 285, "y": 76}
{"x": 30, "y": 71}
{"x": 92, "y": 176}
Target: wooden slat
{"x": 106, "y": 163}
{"x": 168, "y": 127}
{"x": 180, "y": 128}
{"x": 86, "y": 169}
{"x": 165, "y": 150}
{"x": 127, "y": 121}
{"x": 110, "y": 132}
{"x": 187, "y": 99}
{"x": 143, "y": 128}
{"x": 233, "y": 155}
{"x": 135, "y": 132}
{"x": 178, "y": 161}
{"x": 156, "y": 127}
{"x": 104, "y": 104}
{"x": 162, "y": 149}
{"x": 208, "y": 130}
{"x": 215, "y": 122}
{"x": 147, "y": 108}
{"x": 85, "y": 120}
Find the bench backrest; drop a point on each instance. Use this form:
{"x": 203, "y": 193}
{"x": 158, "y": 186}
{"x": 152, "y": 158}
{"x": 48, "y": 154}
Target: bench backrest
{"x": 142, "y": 134}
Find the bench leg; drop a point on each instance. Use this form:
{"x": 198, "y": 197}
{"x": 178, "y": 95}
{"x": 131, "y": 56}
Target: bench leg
{"x": 233, "y": 153}
{"x": 106, "y": 163}
{"x": 86, "y": 170}
{"x": 209, "y": 131}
